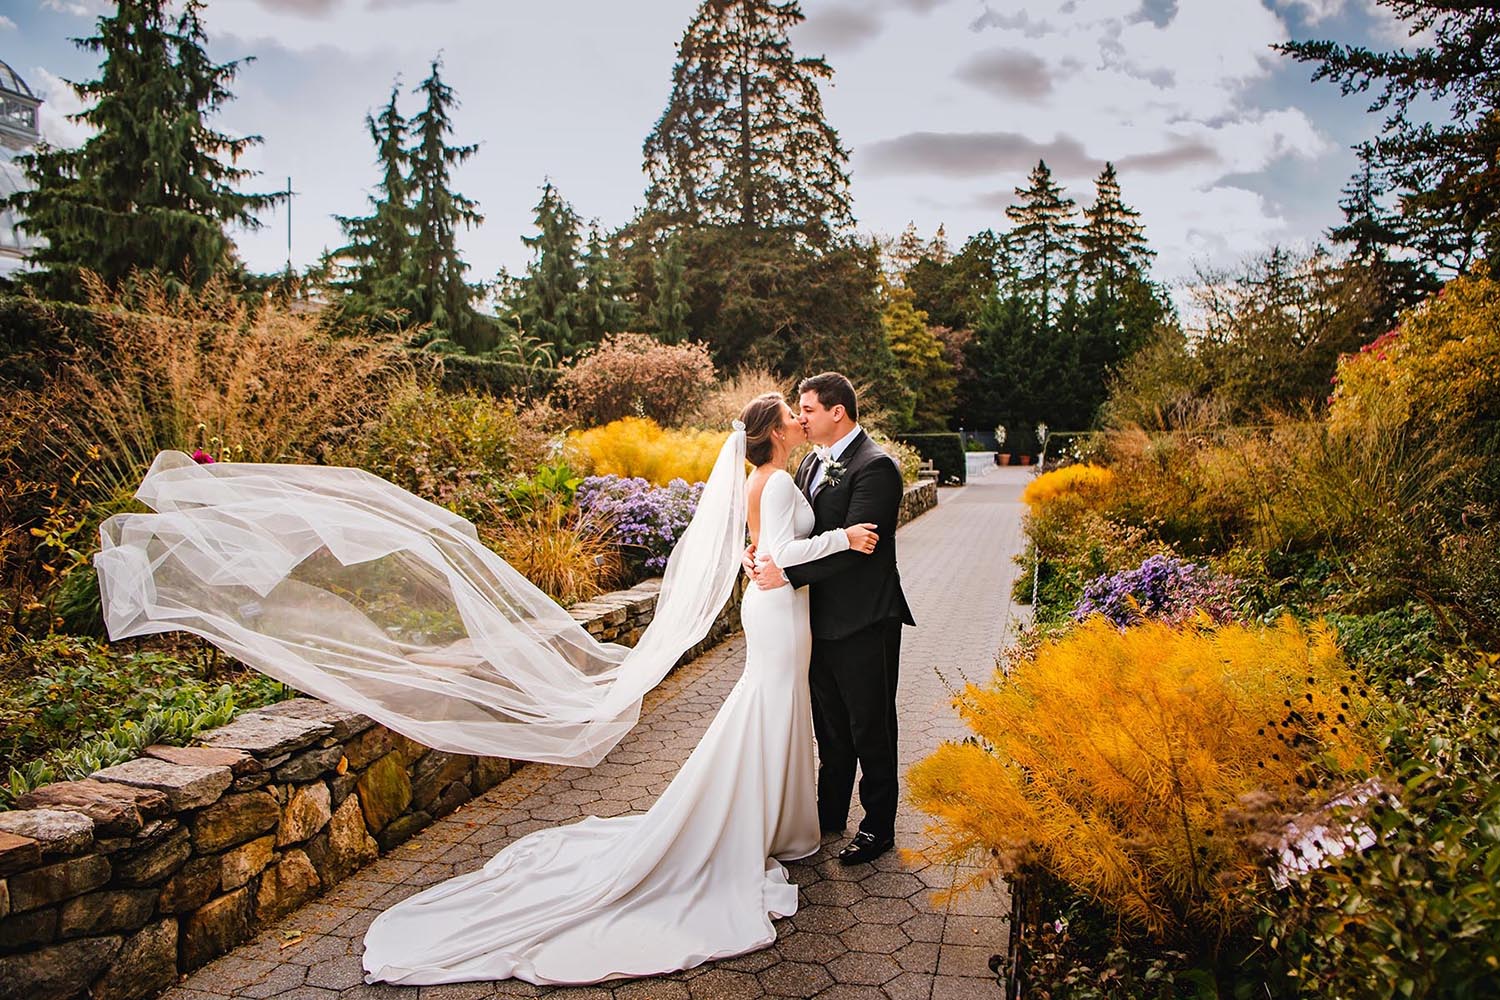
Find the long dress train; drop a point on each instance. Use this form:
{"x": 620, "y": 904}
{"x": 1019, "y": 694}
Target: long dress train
{"x": 693, "y": 879}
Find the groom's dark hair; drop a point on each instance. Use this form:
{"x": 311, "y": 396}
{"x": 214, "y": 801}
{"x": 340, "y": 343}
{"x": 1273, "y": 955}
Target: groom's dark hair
{"x": 833, "y": 390}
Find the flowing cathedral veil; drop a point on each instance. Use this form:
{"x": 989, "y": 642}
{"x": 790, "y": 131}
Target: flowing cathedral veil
{"x": 350, "y": 589}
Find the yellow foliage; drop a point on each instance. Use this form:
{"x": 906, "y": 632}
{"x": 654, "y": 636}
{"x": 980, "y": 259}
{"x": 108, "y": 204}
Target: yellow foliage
{"x": 1440, "y": 366}
{"x": 638, "y": 446}
{"x": 1123, "y": 762}
{"x": 1088, "y": 481}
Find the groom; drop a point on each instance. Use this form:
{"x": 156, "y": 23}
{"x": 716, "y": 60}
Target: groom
{"x": 857, "y": 611}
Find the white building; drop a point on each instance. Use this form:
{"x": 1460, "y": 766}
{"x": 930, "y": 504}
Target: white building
{"x": 18, "y": 132}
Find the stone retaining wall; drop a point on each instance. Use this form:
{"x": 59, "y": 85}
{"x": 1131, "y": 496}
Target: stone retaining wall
{"x": 918, "y": 499}
{"x": 115, "y": 885}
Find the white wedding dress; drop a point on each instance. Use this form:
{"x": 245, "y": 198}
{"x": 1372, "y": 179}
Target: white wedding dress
{"x": 693, "y": 879}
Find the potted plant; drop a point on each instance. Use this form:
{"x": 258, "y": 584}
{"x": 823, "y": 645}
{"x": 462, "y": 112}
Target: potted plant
{"x": 1002, "y": 457}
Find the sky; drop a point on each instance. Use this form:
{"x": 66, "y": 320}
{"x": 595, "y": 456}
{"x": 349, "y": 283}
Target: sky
{"x": 1225, "y": 146}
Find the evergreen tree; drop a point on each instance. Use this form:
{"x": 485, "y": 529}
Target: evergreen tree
{"x": 670, "y": 306}
{"x": 1446, "y": 176}
{"x": 603, "y": 304}
{"x": 549, "y": 304}
{"x": 743, "y": 141}
{"x": 952, "y": 290}
{"x": 1044, "y": 239}
{"x": 1370, "y": 231}
{"x": 1112, "y": 243}
{"x": 371, "y": 281}
{"x": 434, "y": 271}
{"x": 154, "y": 186}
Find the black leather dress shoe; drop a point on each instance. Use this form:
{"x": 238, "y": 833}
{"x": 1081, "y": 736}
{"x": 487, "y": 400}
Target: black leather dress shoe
{"x": 864, "y": 848}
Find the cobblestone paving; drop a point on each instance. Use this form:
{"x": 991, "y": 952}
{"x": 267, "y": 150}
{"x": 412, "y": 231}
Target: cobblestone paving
{"x": 867, "y": 932}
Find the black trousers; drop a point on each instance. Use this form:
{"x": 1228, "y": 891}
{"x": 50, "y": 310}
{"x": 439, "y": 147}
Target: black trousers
{"x": 853, "y": 683}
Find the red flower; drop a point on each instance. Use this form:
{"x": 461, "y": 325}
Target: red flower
{"x": 202, "y": 457}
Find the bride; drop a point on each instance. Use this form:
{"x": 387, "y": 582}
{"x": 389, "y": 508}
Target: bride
{"x": 352, "y": 590}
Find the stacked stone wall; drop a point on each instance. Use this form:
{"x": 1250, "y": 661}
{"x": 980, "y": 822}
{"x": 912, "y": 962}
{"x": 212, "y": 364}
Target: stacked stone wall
{"x": 115, "y": 885}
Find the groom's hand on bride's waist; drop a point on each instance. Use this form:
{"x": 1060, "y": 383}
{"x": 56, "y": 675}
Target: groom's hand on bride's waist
{"x": 767, "y": 575}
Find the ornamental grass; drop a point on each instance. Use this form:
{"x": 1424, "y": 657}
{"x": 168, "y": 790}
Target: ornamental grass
{"x": 1131, "y": 765}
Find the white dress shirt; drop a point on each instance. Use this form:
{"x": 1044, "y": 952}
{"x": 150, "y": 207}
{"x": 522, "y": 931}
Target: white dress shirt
{"x": 834, "y": 453}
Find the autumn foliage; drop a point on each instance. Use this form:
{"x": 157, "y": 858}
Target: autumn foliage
{"x": 1128, "y": 763}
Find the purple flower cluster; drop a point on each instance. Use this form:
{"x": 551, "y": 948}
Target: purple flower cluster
{"x": 646, "y": 520}
{"x": 1163, "y": 588}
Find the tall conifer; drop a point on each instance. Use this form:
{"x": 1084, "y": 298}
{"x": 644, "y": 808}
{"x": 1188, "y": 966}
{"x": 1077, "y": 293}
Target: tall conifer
{"x": 154, "y": 186}
{"x": 1045, "y": 237}
{"x": 434, "y": 270}
{"x": 1112, "y": 243}
{"x": 743, "y": 141}
{"x": 375, "y": 255}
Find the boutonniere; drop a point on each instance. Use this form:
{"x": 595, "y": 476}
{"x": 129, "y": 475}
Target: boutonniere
{"x": 833, "y": 471}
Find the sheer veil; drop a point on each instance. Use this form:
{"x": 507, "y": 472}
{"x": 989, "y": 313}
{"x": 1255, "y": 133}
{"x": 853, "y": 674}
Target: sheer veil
{"x": 350, "y": 589}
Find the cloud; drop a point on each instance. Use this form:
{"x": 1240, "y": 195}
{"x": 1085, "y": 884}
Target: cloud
{"x": 996, "y": 201}
{"x": 79, "y": 8}
{"x": 840, "y": 27}
{"x": 920, "y": 6}
{"x": 974, "y": 154}
{"x": 1314, "y": 11}
{"x": 301, "y": 8}
{"x": 1158, "y": 12}
{"x": 1008, "y": 73}
{"x": 1182, "y": 153}
{"x": 59, "y": 100}
{"x": 1019, "y": 21}
{"x": 6, "y": 24}
{"x": 401, "y": 4}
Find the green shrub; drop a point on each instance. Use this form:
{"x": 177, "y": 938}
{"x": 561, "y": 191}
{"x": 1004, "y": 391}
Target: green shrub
{"x": 501, "y": 379}
{"x": 1416, "y": 914}
{"x": 945, "y": 451}
{"x": 69, "y": 706}
{"x": 458, "y": 451}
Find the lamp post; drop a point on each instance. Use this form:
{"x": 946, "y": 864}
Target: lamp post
{"x": 1036, "y": 567}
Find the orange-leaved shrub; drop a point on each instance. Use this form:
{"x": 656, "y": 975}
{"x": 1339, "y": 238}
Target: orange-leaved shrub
{"x": 1091, "y": 481}
{"x": 639, "y": 446}
{"x": 1439, "y": 367}
{"x": 1126, "y": 763}
{"x": 633, "y": 374}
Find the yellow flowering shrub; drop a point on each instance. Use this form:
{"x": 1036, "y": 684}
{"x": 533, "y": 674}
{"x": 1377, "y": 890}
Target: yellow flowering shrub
{"x": 639, "y": 446}
{"x": 1123, "y": 762}
{"x": 1086, "y": 481}
{"x": 1441, "y": 365}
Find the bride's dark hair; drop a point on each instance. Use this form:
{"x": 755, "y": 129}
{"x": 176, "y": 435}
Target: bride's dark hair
{"x": 761, "y": 416}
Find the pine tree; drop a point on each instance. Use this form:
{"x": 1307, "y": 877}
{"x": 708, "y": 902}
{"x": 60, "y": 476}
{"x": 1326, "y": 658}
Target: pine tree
{"x": 434, "y": 272}
{"x": 1044, "y": 239}
{"x": 154, "y": 187}
{"x": 1446, "y": 176}
{"x": 743, "y": 141}
{"x": 603, "y": 304}
{"x": 372, "y": 261}
{"x": 670, "y": 306}
{"x": 548, "y": 302}
{"x": 1112, "y": 243}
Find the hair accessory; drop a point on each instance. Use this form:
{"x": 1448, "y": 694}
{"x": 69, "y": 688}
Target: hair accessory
{"x": 738, "y": 425}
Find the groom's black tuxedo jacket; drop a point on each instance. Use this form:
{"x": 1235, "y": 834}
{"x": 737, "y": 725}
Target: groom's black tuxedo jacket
{"x": 851, "y": 591}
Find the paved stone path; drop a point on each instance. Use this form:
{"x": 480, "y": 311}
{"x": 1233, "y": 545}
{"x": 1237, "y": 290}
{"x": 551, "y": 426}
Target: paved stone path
{"x": 867, "y": 932}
